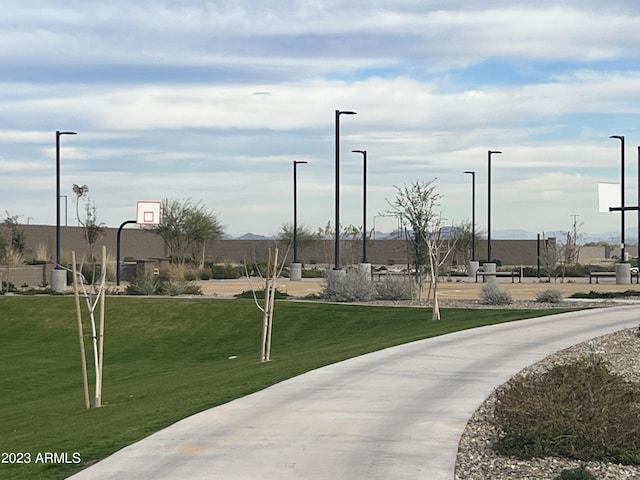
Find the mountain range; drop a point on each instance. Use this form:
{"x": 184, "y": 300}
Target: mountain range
{"x": 609, "y": 237}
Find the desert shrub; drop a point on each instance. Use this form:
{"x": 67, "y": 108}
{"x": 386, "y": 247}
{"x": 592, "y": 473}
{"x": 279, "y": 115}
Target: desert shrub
{"x": 579, "y": 411}
{"x": 492, "y": 294}
{"x": 173, "y": 288}
{"x": 580, "y": 473}
{"x": 550, "y": 295}
{"x": 259, "y": 294}
{"x": 226, "y": 271}
{"x": 312, "y": 273}
{"x": 393, "y": 288}
{"x": 8, "y": 287}
{"x": 348, "y": 286}
{"x": 204, "y": 274}
{"x": 191, "y": 275}
{"x": 147, "y": 285}
{"x": 191, "y": 288}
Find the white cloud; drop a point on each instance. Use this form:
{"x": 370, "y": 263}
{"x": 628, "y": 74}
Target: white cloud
{"x": 215, "y": 100}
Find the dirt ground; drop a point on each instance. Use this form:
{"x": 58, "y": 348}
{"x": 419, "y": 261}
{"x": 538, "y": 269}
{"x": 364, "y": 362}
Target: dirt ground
{"x": 466, "y": 289}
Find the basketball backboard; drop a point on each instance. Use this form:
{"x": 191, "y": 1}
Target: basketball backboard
{"x": 148, "y": 213}
{"x": 608, "y": 196}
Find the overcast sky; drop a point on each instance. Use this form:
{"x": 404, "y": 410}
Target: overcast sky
{"x": 214, "y": 100}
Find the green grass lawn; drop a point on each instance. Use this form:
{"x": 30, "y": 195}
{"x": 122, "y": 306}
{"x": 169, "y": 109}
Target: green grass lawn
{"x": 167, "y": 358}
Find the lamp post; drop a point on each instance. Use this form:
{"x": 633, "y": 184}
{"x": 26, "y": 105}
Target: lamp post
{"x": 621, "y": 138}
{"x": 364, "y": 204}
{"x": 473, "y": 213}
{"x": 58, "y": 135}
{"x": 337, "y": 201}
{"x": 489, "y": 153}
{"x": 295, "y": 209}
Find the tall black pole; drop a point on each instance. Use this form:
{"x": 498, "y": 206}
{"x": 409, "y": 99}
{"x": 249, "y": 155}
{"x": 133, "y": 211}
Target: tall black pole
{"x": 295, "y": 209}
{"x": 336, "y": 253}
{"x": 489, "y": 153}
{"x": 621, "y": 138}
{"x": 364, "y": 204}
{"x": 58, "y": 133}
{"x": 638, "y": 237}
{"x": 118, "y": 249}
{"x": 473, "y": 213}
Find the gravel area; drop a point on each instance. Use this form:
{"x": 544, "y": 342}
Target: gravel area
{"x": 477, "y": 461}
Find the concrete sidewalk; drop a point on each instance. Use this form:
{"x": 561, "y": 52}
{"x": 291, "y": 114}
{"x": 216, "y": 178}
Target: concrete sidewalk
{"x": 394, "y": 414}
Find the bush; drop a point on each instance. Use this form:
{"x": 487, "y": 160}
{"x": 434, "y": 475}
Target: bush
{"x": 580, "y": 473}
{"x": 492, "y": 294}
{"x": 147, "y": 285}
{"x": 259, "y": 294}
{"x": 191, "y": 289}
{"x": 157, "y": 285}
{"x": 226, "y": 271}
{"x": 348, "y": 286}
{"x": 579, "y": 411}
{"x": 312, "y": 273}
{"x": 204, "y": 274}
{"x": 393, "y": 288}
{"x": 173, "y": 288}
{"x": 550, "y": 295}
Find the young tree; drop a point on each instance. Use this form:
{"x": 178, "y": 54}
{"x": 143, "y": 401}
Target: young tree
{"x": 187, "y": 225}
{"x": 429, "y": 245}
{"x": 93, "y": 230}
{"x": 548, "y": 257}
{"x": 12, "y": 247}
{"x": 569, "y": 249}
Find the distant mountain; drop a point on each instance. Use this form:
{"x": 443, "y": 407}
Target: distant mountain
{"x": 252, "y": 236}
{"x": 609, "y": 237}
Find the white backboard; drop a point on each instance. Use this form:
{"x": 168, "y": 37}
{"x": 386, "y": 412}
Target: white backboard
{"x": 148, "y": 213}
{"x": 608, "y": 196}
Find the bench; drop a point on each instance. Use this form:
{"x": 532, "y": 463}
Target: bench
{"x": 383, "y": 274}
{"x": 597, "y": 275}
{"x": 513, "y": 274}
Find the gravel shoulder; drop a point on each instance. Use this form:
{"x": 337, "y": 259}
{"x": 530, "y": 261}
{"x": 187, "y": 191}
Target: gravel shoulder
{"x": 477, "y": 460}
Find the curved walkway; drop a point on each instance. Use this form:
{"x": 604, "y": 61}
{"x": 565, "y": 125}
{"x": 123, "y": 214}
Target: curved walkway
{"x": 393, "y": 414}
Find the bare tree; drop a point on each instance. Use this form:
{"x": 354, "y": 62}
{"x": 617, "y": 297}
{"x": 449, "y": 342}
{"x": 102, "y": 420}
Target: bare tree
{"x": 569, "y": 249}
{"x": 429, "y": 245}
{"x": 549, "y": 257}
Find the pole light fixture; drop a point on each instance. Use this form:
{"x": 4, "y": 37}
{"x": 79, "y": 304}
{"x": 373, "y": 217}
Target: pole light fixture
{"x": 473, "y": 213}
{"x": 489, "y": 153}
{"x": 337, "y": 188}
{"x": 621, "y": 138}
{"x": 364, "y": 203}
{"x": 58, "y": 135}
{"x": 295, "y": 209}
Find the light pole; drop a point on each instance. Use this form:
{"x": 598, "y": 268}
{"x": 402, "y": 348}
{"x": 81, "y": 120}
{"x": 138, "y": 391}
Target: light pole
{"x": 295, "y": 209}
{"x": 364, "y": 204}
{"x": 621, "y": 138}
{"x": 473, "y": 213}
{"x": 489, "y": 153}
{"x": 58, "y": 134}
{"x": 337, "y": 201}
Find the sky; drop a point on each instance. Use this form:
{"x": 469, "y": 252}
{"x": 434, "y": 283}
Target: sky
{"x": 214, "y": 100}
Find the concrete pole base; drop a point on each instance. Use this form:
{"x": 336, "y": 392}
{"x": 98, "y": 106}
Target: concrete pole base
{"x": 58, "y": 281}
{"x": 365, "y": 269}
{"x": 474, "y": 265}
{"x": 623, "y": 273}
{"x": 489, "y": 268}
{"x": 295, "y": 272}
